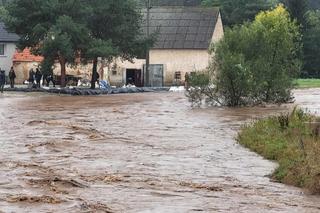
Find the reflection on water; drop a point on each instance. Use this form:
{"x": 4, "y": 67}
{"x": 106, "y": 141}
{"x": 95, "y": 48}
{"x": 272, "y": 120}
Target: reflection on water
{"x": 136, "y": 153}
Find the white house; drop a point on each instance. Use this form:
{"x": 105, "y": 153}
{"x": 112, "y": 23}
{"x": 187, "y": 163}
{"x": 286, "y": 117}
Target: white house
{"x": 7, "y": 48}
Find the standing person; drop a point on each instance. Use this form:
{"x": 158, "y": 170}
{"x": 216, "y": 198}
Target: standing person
{"x": 12, "y": 76}
{"x": 2, "y": 80}
{"x": 31, "y": 77}
{"x": 44, "y": 79}
{"x": 50, "y": 79}
{"x": 38, "y": 77}
{"x": 97, "y": 78}
{"x": 186, "y": 82}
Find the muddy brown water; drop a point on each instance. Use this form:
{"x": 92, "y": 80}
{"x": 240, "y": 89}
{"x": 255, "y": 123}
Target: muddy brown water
{"x": 136, "y": 153}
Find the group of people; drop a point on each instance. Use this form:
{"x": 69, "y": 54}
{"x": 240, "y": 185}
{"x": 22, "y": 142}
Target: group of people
{"x": 12, "y": 77}
{"x": 35, "y": 79}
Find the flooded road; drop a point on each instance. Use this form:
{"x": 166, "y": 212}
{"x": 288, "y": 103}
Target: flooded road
{"x": 136, "y": 153}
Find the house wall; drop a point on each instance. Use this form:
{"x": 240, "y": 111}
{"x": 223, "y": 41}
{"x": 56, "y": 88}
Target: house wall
{"x": 218, "y": 31}
{"x": 184, "y": 60}
{"x": 6, "y": 60}
{"x": 115, "y": 72}
{"x": 22, "y": 70}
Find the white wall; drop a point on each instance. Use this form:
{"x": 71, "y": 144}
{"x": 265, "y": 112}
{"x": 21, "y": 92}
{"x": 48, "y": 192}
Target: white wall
{"x": 6, "y": 60}
{"x": 179, "y": 60}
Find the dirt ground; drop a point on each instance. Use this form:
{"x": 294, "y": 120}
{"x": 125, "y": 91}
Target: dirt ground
{"x": 136, "y": 153}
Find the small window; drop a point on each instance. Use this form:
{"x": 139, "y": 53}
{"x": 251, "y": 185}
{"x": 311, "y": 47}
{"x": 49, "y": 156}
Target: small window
{"x": 114, "y": 72}
{"x": 2, "y": 49}
{"x": 177, "y": 75}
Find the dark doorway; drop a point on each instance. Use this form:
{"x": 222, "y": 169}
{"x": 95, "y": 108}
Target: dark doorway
{"x": 134, "y": 77}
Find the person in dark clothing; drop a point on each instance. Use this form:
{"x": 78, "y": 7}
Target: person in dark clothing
{"x": 96, "y": 78}
{"x": 2, "y": 80}
{"x": 31, "y": 76}
{"x": 38, "y": 77}
{"x": 44, "y": 79}
{"x": 50, "y": 79}
{"x": 12, "y": 76}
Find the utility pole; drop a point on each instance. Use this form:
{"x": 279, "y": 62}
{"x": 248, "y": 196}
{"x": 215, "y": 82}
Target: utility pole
{"x": 148, "y": 50}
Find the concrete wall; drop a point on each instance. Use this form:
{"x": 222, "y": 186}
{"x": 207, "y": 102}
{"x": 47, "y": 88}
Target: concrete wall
{"x": 6, "y": 60}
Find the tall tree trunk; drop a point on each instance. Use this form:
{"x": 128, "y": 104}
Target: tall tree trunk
{"x": 94, "y": 73}
{"x": 62, "y": 62}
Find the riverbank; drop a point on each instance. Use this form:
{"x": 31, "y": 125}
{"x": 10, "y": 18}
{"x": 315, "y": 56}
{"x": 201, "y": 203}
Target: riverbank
{"x": 87, "y": 91}
{"x": 293, "y": 140}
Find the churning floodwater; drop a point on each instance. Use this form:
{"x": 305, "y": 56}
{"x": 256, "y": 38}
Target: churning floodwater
{"x": 136, "y": 153}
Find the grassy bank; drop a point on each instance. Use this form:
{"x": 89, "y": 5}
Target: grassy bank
{"x": 307, "y": 83}
{"x": 293, "y": 141}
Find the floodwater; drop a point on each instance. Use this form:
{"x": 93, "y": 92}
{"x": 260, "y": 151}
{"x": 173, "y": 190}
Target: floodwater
{"x": 136, "y": 153}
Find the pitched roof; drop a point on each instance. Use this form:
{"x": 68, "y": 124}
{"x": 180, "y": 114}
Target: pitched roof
{"x": 5, "y": 36}
{"x": 182, "y": 27}
{"x": 26, "y": 56}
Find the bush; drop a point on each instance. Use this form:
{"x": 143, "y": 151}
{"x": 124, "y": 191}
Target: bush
{"x": 292, "y": 140}
{"x": 198, "y": 87}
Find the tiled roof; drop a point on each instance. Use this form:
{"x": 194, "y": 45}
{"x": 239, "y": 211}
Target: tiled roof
{"x": 5, "y": 36}
{"x": 182, "y": 27}
{"x": 26, "y": 56}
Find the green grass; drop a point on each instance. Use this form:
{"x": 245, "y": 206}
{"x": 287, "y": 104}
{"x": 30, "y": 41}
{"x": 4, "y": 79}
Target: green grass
{"x": 307, "y": 83}
{"x": 293, "y": 141}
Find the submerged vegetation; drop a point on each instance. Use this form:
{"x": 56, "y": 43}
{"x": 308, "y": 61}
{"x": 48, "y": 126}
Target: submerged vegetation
{"x": 293, "y": 140}
{"x": 255, "y": 63}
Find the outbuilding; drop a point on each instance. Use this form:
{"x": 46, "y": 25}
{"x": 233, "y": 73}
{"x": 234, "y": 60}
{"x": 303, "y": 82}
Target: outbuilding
{"x": 184, "y": 36}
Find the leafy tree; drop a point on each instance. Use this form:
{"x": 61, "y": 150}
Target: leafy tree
{"x": 238, "y": 11}
{"x": 311, "y": 41}
{"x": 52, "y": 28}
{"x": 277, "y": 58}
{"x": 115, "y": 29}
{"x": 256, "y": 62}
{"x": 297, "y": 9}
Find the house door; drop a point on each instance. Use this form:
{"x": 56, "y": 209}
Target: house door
{"x": 156, "y": 75}
{"x": 133, "y": 77}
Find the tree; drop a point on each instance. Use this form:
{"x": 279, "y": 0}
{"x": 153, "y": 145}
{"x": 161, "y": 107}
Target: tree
{"x": 256, "y": 62}
{"x": 52, "y": 28}
{"x": 115, "y": 29}
{"x": 311, "y": 47}
{"x": 238, "y": 11}
{"x": 297, "y": 9}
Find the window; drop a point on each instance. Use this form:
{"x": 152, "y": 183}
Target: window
{"x": 177, "y": 75}
{"x": 2, "y": 49}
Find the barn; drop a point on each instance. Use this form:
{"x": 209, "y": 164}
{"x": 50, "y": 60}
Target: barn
{"x": 184, "y": 36}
